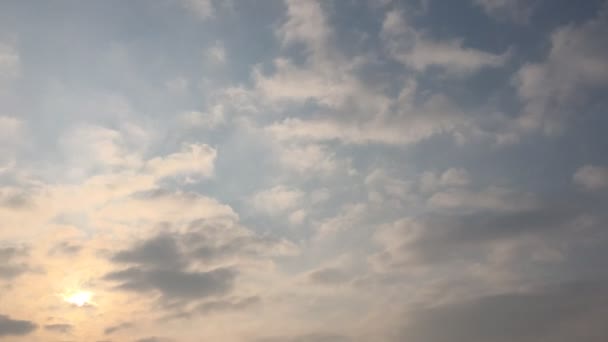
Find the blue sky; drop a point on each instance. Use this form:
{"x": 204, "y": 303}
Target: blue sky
{"x": 299, "y": 170}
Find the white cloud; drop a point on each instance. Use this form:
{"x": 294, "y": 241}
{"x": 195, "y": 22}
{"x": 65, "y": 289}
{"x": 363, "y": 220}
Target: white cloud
{"x": 412, "y": 48}
{"x": 11, "y": 129}
{"x": 326, "y": 76}
{"x": 383, "y": 187}
{"x": 217, "y": 53}
{"x": 277, "y": 200}
{"x": 454, "y": 176}
{"x": 434, "y": 117}
{"x": 212, "y": 119}
{"x": 348, "y": 218}
{"x": 90, "y": 148}
{"x": 319, "y": 196}
{"x": 331, "y": 80}
{"x": 297, "y": 217}
{"x": 163, "y": 206}
{"x": 516, "y": 10}
{"x": 494, "y": 198}
{"x": 310, "y": 159}
{"x": 577, "y": 62}
{"x": 10, "y": 62}
{"x": 591, "y": 177}
{"x": 331, "y": 101}
{"x": 202, "y": 8}
{"x": 178, "y": 85}
{"x": 192, "y": 159}
{"x": 306, "y": 23}
{"x": 292, "y": 83}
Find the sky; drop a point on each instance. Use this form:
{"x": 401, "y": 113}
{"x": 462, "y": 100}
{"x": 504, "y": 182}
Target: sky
{"x": 304, "y": 171}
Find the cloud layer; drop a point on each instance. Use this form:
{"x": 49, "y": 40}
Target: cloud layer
{"x": 303, "y": 171}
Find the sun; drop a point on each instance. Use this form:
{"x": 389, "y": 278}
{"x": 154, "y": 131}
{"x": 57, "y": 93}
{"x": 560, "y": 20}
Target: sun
{"x": 79, "y": 298}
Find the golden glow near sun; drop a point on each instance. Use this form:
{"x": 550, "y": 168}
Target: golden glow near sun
{"x": 79, "y": 298}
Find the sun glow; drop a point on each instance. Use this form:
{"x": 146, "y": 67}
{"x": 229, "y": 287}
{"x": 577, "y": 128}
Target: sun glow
{"x": 79, "y": 298}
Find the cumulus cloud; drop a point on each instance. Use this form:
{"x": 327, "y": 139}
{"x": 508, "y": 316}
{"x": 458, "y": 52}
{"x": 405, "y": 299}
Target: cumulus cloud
{"x": 332, "y": 80}
{"x": 496, "y": 198}
{"x": 118, "y": 327}
{"x": 329, "y": 276}
{"x": 217, "y": 53}
{"x": 382, "y": 187}
{"x": 310, "y": 159}
{"x": 575, "y": 63}
{"x": 65, "y": 248}
{"x": 591, "y": 177}
{"x": 204, "y": 9}
{"x": 564, "y": 312}
{"x": 188, "y": 265}
{"x": 60, "y": 328}
{"x": 410, "y": 47}
{"x": 227, "y": 305}
{"x": 277, "y": 200}
{"x": 311, "y": 176}
{"x": 313, "y": 337}
{"x": 349, "y": 216}
{"x": 154, "y": 339}
{"x": 306, "y": 23}
{"x": 15, "y": 327}
{"x": 441, "y": 237}
{"x": 10, "y": 129}
{"x": 433, "y": 117}
{"x": 168, "y": 205}
{"x": 10, "y": 264}
{"x": 10, "y": 62}
{"x": 92, "y": 147}
{"x": 210, "y": 120}
{"x": 192, "y": 159}
{"x": 454, "y": 176}
{"x": 518, "y": 11}
{"x": 175, "y": 283}
{"x": 158, "y": 265}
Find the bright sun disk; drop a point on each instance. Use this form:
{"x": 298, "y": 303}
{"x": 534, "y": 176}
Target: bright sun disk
{"x": 80, "y": 298}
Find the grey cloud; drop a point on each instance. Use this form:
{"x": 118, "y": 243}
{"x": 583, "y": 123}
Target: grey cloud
{"x": 218, "y": 306}
{"x": 228, "y": 305}
{"x": 517, "y": 10}
{"x": 314, "y": 337}
{"x": 159, "y": 251}
{"x": 329, "y": 276}
{"x": 244, "y": 245}
{"x": 65, "y": 248}
{"x": 591, "y": 177}
{"x": 439, "y": 237}
{"x": 175, "y": 283}
{"x": 7, "y": 253}
{"x": 574, "y": 68}
{"x": 204, "y": 241}
{"x": 571, "y": 312}
{"x": 12, "y": 271}
{"x": 9, "y": 326}
{"x": 15, "y": 201}
{"x": 154, "y": 339}
{"x": 114, "y": 328}
{"x": 9, "y": 268}
{"x": 61, "y": 328}
{"x": 164, "y": 262}
{"x": 414, "y": 49}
